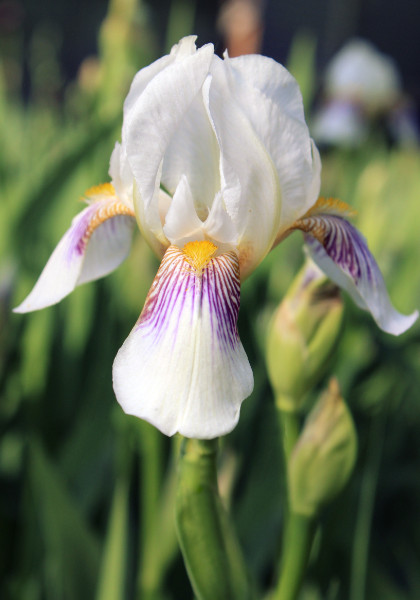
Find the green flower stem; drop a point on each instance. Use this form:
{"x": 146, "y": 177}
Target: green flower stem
{"x": 212, "y": 555}
{"x": 360, "y": 554}
{"x": 289, "y": 427}
{"x": 299, "y": 529}
{"x": 297, "y": 544}
{"x": 151, "y": 466}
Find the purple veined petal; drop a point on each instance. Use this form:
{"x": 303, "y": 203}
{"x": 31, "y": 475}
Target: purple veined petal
{"x": 183, "y": 367}
{"x": 341, "y": 251}
{"x": 97, "y": 242}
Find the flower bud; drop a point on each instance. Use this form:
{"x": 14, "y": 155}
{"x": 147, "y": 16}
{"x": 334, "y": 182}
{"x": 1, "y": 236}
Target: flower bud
{"x": 324, "y": 456}
{"x": 302, "y": 336}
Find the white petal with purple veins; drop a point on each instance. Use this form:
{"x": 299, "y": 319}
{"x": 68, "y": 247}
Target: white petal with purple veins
{"x": 97, "y": 242}
{"x": 342, "y": 253}
{"x": 183, "y": 367}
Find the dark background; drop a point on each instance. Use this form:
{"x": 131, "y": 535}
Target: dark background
{"x": 391, "y": 26}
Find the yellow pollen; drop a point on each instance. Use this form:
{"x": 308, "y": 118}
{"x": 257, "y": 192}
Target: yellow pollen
{"x": 103, "y": 189}
{"x": 198, "y": 254}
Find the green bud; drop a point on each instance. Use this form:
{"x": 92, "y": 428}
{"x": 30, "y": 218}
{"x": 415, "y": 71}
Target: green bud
{"x": 302, "y": 336}
{"x": 324, "y": 456}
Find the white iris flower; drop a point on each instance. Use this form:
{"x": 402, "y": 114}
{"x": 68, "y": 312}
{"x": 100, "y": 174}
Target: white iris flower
{"x": 217, "y": 166}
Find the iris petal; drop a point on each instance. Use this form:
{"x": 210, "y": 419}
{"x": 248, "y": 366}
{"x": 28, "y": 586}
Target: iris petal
{"x": 342, "y": 253}
{"x": 97, "y": 242}
{"x": 183, "y": 367}
{"x": 249, "y": 183}
{"x": 150, "y": 122}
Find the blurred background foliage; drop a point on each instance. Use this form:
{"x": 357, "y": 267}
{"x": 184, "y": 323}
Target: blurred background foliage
{"x": 86, "y": 493}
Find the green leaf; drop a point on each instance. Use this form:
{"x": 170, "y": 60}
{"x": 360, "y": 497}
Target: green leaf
{"x": 113, "y": 568}
{"x": 71, "y": 551}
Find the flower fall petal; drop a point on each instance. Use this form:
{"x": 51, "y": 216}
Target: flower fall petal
{"x": 342, "y": 253}
{"x": 97, "y": 242}
{"x": 183, "y": 367}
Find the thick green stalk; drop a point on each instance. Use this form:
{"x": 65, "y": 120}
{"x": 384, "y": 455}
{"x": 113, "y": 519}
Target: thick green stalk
{"x": 299, "y": 529}
{"x": 211, "y": 552}
{"x": 297, "y": 543}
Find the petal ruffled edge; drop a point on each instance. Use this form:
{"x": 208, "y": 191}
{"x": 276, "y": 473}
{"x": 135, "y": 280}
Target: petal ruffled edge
{"x": 96, "y": 243}
{"x": 341, "y": 251}
{"x": 183, "y": 367}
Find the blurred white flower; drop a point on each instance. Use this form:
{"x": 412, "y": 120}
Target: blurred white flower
{"x": 362, "y": 74}
{"x": 339, "y": 123}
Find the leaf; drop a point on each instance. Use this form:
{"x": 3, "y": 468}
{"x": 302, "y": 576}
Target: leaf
{"x": 111, "y": 581}
{"x": 71, "y": 551}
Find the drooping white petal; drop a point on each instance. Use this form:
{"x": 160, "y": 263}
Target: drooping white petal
{"x": 270, "y": 98}
{"x": 151, "y": 120}
{"x": 183, "y": 367}
{"x": 249, "y": 182}
{"x": 342, "y": 253}
{"x": 97, "y": 242}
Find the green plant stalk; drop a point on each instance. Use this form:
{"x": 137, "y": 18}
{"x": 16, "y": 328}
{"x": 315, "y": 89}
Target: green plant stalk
{"x": 297, "y": 544}
{"x": 363, "y": 527}
{"x": 289, "y": 427}
{"x": 299, "y": 529}
{"x": 162, "y": 541}
{"x": 150, "y": 442}
{"x": 211, "y": 552}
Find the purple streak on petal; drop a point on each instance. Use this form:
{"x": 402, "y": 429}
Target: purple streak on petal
{"x": 76, "y": 239}
{"x": 343, "y": 243}
{"x": 213, "y": 293}
{"x": 342, "y": 253}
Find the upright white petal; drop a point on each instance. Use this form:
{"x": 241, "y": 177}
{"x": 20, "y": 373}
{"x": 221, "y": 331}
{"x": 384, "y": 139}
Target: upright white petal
{"x": 151, "y": 121}
{"x": 183, "y": 367}
{"x": 97, "y": 242}
{"x": 342, "y": 253}
{"x": 193, "y": 151}
{"x": 249, "y": 182}
{"x": 219, "y": 226}
{"x": 182, "y": 224}
{"x": 271, "y": 99}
